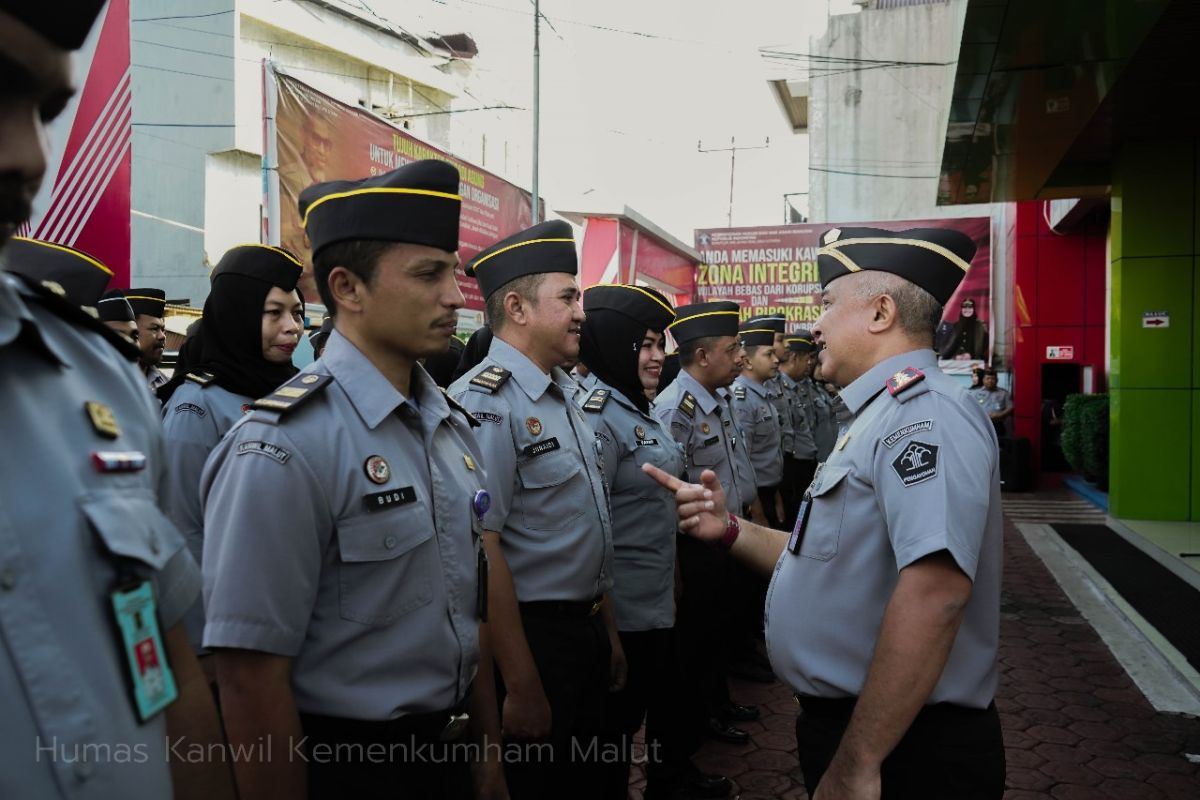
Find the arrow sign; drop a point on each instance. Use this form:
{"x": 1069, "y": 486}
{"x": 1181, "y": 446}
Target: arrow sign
{"x": 1156, "y": 319}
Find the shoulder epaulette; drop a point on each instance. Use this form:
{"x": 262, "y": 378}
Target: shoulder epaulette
{"x": 52, "y": 297}
{"x": 202, "y": 378}
{"x": 492, "y": 378}
{"x": 293, "y": 393}
{"x": 902, "y": 380}
{"x": 739, "y": 392}
{"x": 459, "y": 407}
{"x": 687, "y": 404}
{"x": 596, "y": 400}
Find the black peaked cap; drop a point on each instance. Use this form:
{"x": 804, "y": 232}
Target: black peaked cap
{"x": 936, "y": 259}
{"x": 775, "y": 322}
{"x": 546, "y": 247}
{"x": 640, "y": 303}
{"x": 82, "y": 278}
{"x": 113, "y": 307}
{"x": 801, "y": 341}
{"x": 755, "y": 331}
{"x": 415, "y": 204}
{"x": 699, "y": 320}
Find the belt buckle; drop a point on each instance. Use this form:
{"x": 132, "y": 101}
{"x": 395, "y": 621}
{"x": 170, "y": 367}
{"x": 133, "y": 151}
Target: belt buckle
{"x": 595, "y": 606}
{"x": 455, "y": 727}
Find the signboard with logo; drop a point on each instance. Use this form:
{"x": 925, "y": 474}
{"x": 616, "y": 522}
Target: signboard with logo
{"x": 1063, "y": 352}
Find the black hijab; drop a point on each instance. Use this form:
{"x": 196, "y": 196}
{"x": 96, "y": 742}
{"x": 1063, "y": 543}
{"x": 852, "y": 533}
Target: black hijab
{"x": 613, "y": 330}
{"x": 475, "y": 351}
{"x": 228, "y": 343}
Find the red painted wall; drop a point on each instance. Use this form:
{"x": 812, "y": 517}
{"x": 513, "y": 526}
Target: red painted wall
{"x": 1058, "y": 299}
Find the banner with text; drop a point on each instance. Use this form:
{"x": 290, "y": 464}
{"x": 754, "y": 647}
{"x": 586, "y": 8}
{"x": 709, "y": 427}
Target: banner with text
{"x": 320, "y": 139}
{"x": 773, "y": 270}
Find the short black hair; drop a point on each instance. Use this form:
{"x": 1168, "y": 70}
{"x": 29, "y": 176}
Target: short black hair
{"x": 525, "y": 285}
{"x": 359, "y": 256}
{"x": 751, "y": 349}
{"x": 687, "y": 350}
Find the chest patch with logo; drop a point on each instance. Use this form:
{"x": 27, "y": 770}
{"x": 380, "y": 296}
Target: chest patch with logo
{"x": 917, "y": 463}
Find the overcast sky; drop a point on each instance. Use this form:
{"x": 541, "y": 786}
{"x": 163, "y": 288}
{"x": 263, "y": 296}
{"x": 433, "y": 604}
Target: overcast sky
{"x": 622, "y": 113}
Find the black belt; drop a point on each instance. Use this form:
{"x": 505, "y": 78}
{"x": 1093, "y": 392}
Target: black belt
{"x": 442, "y": 726}
{"x": 844, "y": 707}
{"x": 562, "y": 608}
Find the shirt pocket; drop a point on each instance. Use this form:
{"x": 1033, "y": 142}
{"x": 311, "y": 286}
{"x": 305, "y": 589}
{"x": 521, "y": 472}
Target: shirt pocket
{"x": 708, "y": 456}
{"x": 387, "y": 563}
{"x": 824, "y": 531}
{"x": 132, "y": 527}
{"x": 548, "y": 503}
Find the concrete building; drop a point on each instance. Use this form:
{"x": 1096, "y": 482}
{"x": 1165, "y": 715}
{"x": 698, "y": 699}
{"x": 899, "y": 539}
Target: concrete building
{"x": 198, "y": 107}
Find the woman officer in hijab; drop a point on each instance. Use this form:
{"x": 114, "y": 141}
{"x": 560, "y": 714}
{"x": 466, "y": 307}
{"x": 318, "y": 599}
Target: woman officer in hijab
{"x": 622, "y": 347}
{"x": 242, "y": 350}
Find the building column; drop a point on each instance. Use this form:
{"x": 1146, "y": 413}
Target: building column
{"x": 1154, "y": 455}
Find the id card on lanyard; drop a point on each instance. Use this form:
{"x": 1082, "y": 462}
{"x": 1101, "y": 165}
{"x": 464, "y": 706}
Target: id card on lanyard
{"x": 137, "y": 618}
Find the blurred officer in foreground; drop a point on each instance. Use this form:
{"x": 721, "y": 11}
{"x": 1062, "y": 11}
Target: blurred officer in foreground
{"x": 343, "y": 568}
{"x": 622, "y": 348}
{"x": 548, "y": 532}
{"x": 320, "y": 336}
{"x": 884, "y": 608}
{"x": 94, "y": 580}
{"x": 150, "y": 305}
{"x": 251, "y": 324}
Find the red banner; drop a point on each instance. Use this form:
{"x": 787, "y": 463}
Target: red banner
{"x": 320, "y": 139}
{"x": 773, "y": 270}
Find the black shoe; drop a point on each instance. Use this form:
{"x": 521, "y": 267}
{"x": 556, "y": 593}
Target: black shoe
{"x": 726, "y": 733}
{"x": 704, "y": 785}
{"x": 752, "y": 672}
{"x": 732, "y": 712}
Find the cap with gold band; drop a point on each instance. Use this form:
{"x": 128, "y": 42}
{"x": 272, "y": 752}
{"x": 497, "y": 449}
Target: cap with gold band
{"x": 273, "y": 265}
{"x": 700, "y": 320}
{"x": 775, "y": 322}
{"x": 113, "y": 307}
{"x": 640, "y": 303}
{"x": 801, "y": 342}
{"x": 546, "y": 247}
{"x": 151, "y": 302}
{"x": 65, "y": 27}
{"x": 755, "y": 332}
{"x": 71, "y": 273}
{"x": 936, "y": 259}
{"x": 415, "y": 204}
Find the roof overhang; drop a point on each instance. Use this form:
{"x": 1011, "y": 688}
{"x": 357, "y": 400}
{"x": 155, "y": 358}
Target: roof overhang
{"x": 635, "y": 220}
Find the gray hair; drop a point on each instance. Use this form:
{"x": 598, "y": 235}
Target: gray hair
{"x": 917, "y": 309}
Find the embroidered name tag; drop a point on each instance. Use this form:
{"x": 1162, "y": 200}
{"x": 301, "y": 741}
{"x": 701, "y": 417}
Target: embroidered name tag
{"x": 190, "y": 407}
{"x": 713, "y": 440}
{"x": 540, "y": 448}
{"x": 392, "y": 497}
{"x": 487, "y": 416}
{"x": 647, "y": 442}
{"x": 907, "y": 430}
{"x": 272, "y": 451}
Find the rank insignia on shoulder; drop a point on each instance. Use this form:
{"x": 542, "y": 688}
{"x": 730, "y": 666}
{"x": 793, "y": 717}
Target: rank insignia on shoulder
{"x": 739, "y": 392}
{"x": 687, "y": 404}
{"x": 293, "y": 393}
{"x": 904, "y": 379}
{"x": 202, "y": 378}
{"x": 596, "y": 400}
{"x": 491, "y": 379}
{"x": 456, "y": 406}
{"x": 102, "y": 419}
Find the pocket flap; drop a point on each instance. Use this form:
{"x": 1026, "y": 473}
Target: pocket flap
{"x": 131, "y": 525}
{"x": 548, "y": 470}
{"x": 381, "y": 537}
{"x": 827, "y": 479}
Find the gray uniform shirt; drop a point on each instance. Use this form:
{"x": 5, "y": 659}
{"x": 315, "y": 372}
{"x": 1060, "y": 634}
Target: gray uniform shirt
{"x": 993, "y": 401}
{"x": 65, "y": 528}
{"x": 737, "y": 445}
{"x": 916, "y": 473}
{"x": 548, "y": 501}
{"x": 194, "y": 420}
{"x": 804, "y": 419}
{"x": 703, "y": 426}
{"x": 826, "y": 429}
{"x": 783, "y": 398}
{"x": 365, "y": 574}
{"x": 758, "y": 417}
{"x": 643, "y": 513}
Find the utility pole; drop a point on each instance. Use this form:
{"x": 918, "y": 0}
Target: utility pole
{"x": 537, "y": 80}
{"x": 732, "y": 150}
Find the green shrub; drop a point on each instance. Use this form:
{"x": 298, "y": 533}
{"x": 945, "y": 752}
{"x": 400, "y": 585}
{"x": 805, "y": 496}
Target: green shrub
{"x": 1085, "y": 436}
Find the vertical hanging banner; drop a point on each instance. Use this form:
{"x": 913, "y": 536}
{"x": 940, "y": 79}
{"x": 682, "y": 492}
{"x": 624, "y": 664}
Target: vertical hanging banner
{"x": 317, "y": 138}
{"x": 773, "y": 270}
{"x": 84, "y": 201}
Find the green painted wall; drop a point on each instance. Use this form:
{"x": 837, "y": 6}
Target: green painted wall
{"x": 1154, "y": 375}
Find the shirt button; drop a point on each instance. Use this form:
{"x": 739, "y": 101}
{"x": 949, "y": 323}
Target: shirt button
{"x": 154, "y": 546}
{"x": 389, "y": 542}
{"x": 8, "y": 579}
{"x": 83, "y": 770}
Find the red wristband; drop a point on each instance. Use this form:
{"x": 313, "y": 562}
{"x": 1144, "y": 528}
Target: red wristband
{"x": 732, "y": 529}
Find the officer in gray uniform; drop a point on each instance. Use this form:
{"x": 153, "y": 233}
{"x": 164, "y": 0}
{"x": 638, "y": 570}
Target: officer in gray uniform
{"x": 548, "y": 529}
{"x": 827, "y": 410}
{"x": 884, "y": 609}
{"x": 995, "y": 402}
{"x": 757, "y": 415}
{"x": 94, "y": 580}
{"x": 775, "y": 387}
{"x": 231, "y": 371}
{"x": 149, "y": 306}
{"x": 115, "y": 312}
{"x": 800, "y": 462}
{"x": 622, "y": 346}
{"x": 342, "y": 556}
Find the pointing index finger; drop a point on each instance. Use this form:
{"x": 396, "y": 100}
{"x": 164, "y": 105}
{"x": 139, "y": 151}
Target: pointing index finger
{"x": 666, "y": 479}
